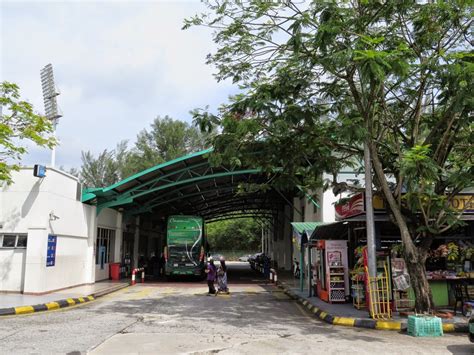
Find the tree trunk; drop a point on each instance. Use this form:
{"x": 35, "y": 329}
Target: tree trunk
{"x": 417, "y": 271}
{"x": 415, "y": 258}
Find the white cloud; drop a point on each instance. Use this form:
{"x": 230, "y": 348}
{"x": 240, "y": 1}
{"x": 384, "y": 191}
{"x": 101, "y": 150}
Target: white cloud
{"x": 118, "y": 65}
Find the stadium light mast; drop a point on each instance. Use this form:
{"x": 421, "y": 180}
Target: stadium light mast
{"x": 50, "y": 104}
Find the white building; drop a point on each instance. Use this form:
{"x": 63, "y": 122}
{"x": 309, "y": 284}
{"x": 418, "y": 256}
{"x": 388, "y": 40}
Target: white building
{"x": 49, "y": 238}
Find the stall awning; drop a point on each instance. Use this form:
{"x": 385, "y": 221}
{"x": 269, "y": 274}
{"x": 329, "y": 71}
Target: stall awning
{"x": 336, "y": 230}
{"x": 308, "y": 227}
{"x": 302, "y": 228}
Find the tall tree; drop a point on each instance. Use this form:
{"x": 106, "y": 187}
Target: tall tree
{"x": 241, "y": 234}
{"x": 167, "y": 139}
{"x": 19, "y": 122}
{"x": 321, "y": 79}
{"x": 101, "y": 171}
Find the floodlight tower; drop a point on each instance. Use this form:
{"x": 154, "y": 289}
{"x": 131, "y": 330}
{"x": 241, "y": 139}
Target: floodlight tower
{"x": 50, "y": 103}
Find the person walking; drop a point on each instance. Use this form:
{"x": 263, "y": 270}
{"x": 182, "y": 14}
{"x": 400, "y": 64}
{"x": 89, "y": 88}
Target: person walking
{"x": 222, "y": 277}
{"x": 211, "y": 276}
{"x": 266, "y": 266}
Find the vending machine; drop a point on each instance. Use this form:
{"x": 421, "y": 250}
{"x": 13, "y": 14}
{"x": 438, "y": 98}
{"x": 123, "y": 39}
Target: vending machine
{"x": 332, "y": 277}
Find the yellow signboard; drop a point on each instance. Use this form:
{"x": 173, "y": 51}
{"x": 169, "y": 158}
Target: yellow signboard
{"x": 463, "y": 203}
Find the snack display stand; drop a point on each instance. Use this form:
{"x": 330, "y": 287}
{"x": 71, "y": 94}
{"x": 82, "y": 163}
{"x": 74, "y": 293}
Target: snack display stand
{"x": 332, "y": 279}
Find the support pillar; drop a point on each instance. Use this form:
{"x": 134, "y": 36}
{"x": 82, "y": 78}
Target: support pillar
{"x": 136, "y": 240}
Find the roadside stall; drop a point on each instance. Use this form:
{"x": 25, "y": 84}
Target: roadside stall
{"x": 449, "y": 266}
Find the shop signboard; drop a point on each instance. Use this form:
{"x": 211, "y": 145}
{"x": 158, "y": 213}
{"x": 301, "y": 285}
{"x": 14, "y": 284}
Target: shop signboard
{"x": 462, "y": 203}
{"x": 355, "y": 205}
{"x": 51, "y": 251}
{"x": 352, "y": 207}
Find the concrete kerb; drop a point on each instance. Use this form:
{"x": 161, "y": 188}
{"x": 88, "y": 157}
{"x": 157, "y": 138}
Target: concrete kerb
{"x": 362, "y": 323}
{"x": 49, "y": 306}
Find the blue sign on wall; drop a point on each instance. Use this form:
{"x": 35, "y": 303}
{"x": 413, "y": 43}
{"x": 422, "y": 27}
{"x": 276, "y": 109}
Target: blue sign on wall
{"x": 39, "y": 171}
{"x": 51, "y": 252}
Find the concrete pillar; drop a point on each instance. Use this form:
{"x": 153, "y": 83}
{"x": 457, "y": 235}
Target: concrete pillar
{"x": 118, "y": 238}
{"x": 136, "y": 240}
{"x": 92, "y": 217}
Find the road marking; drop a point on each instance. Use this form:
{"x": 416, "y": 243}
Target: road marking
{"x": 344, "y": 321}
{"x": 388, "y": 325}
{"x": 52, "y": 305}
{"x": 24, "y": 309}
{"x": 71, "y": 301}
{"x": 140, "y": 294}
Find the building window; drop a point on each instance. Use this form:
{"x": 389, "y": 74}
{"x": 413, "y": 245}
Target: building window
{"x": 105, "y": 240}
{"x": 21, "y": 241}
{"x": 13, "y": 240}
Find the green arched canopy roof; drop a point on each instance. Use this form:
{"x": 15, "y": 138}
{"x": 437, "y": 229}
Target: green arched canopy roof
{"x": 189, "y": 185}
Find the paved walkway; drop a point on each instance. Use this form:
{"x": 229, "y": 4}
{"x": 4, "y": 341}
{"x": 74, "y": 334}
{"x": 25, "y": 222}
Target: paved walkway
{"x": 343, "y": 309}
{"x": 8, "y": 300}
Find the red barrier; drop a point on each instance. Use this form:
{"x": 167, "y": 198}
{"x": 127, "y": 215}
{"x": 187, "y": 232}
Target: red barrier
{"x": 134, "y": 271}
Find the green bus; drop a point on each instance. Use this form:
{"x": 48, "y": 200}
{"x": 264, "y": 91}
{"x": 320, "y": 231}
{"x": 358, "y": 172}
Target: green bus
{"x": 186, "y": 246}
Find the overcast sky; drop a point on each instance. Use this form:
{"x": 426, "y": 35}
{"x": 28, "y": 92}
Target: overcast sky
{"x": 118, "y": 64}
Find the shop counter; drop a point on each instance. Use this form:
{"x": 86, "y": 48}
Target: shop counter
{"x": 442, "y": 290}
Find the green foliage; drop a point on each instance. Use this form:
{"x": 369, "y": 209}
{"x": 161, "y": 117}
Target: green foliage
{"x": 243, "y": 234}
{"x": 19, "y": 122}
{"x": 321, "y": 79}
{"x": 167, "y": 139}
{"x": 101, "y": 171}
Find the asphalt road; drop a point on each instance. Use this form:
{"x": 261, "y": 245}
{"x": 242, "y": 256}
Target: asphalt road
{"x": 178, "y": 317}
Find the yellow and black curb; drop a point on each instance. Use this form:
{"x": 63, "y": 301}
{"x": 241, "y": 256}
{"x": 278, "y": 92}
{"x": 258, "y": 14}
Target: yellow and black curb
{"x": 45, "y": 306}
{"x": 363, "y": 323}
{"x": 68, "y": 302}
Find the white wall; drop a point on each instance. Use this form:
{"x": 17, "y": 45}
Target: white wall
{"x": 50, "y": 205}
{"x": 12, "y": 275}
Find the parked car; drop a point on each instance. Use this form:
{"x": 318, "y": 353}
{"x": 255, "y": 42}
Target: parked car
{"x": 216, "y": 257}
{"x": 245, "y": 258}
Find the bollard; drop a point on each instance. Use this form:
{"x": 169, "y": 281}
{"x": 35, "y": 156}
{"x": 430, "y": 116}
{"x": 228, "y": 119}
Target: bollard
{"x": 273, "y": 275}
{"x": 134, "y": 271}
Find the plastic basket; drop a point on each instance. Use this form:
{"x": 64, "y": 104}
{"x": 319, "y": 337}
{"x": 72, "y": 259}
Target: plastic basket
{"x": 425, "y": 326}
